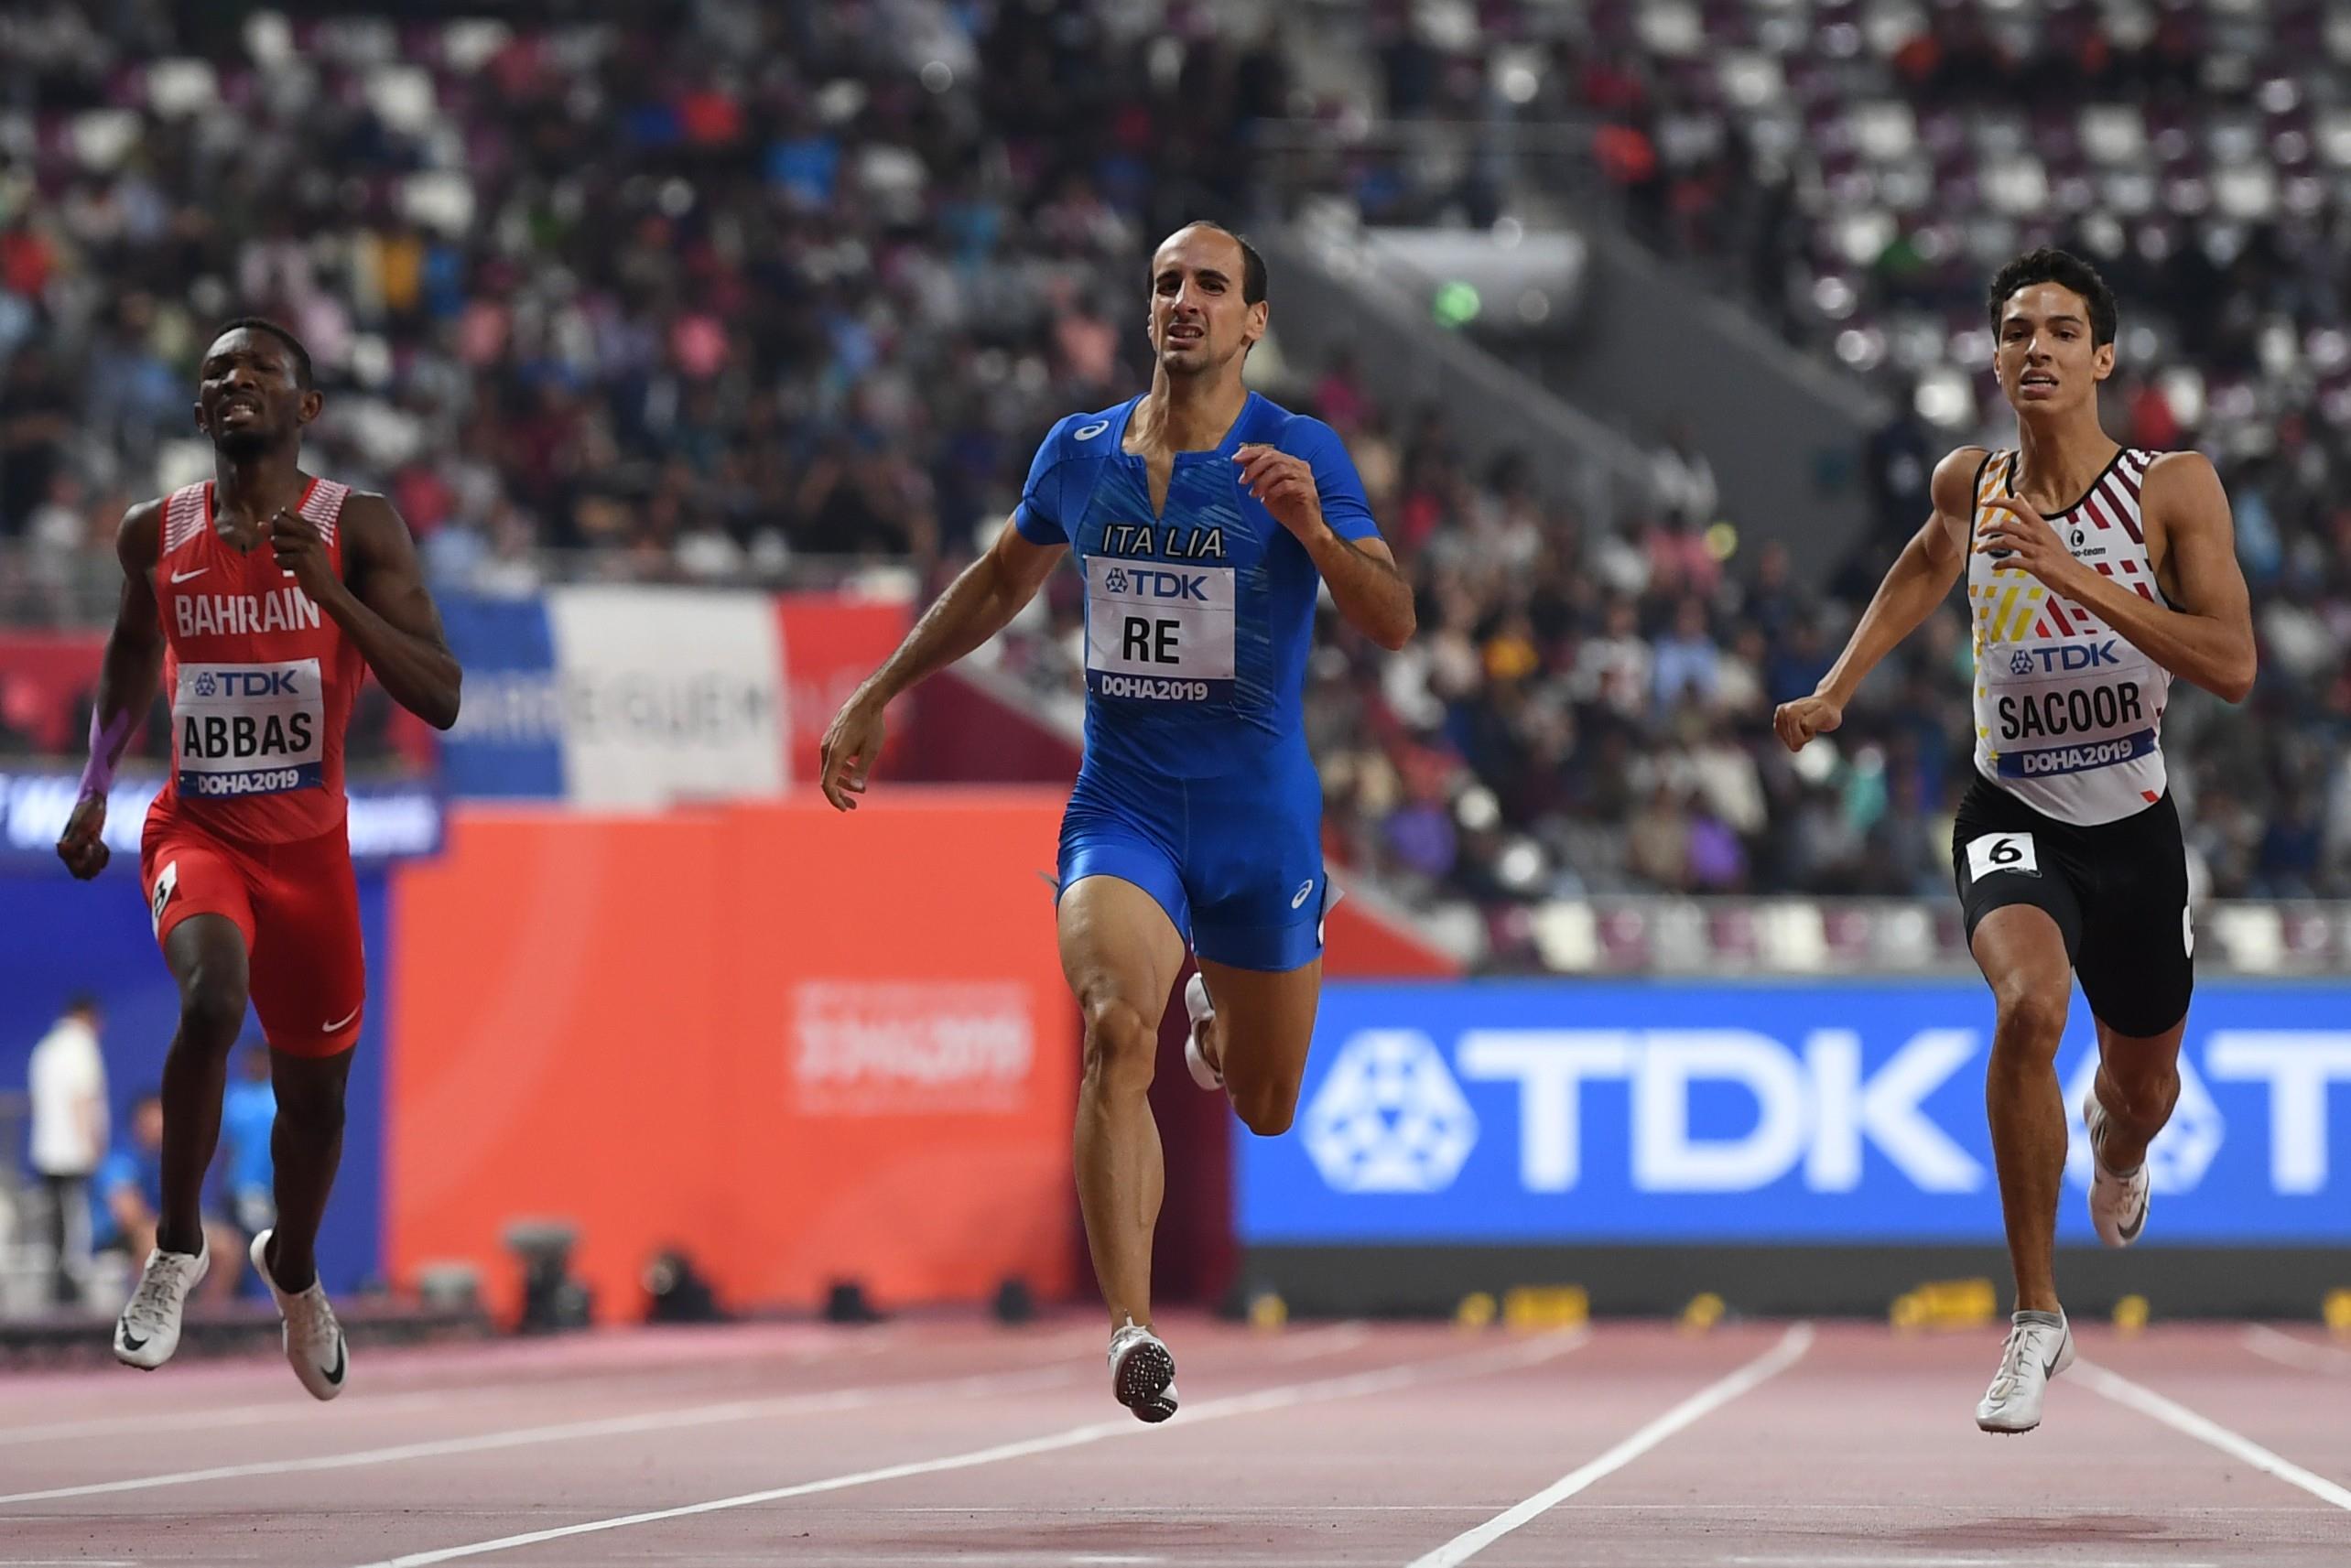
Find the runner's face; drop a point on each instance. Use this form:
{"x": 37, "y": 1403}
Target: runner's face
{"x": 247, "y": 398}
{"x": 2045, "y": 360}
{"x": 1199, "y": 323}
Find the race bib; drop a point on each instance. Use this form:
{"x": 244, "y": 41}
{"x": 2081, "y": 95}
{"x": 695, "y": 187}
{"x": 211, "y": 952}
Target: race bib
{"x": 1159, "y": 631}
{"x": 241, "y": 729}
{"x": 2002, "y": 852}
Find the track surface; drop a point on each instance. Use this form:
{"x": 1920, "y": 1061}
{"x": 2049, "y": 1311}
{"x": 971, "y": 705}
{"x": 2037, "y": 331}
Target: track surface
{"x": 1760, "y": 1445}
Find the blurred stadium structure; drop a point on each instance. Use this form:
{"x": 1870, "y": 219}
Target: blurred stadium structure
{"x": 697, "y": 341}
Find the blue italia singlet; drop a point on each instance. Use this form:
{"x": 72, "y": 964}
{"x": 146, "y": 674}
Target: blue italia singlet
{"x": 1196, "y": 785}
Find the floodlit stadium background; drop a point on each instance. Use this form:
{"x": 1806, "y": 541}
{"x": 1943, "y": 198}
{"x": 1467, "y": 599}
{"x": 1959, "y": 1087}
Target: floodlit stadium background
{"x": 699, "y": 346}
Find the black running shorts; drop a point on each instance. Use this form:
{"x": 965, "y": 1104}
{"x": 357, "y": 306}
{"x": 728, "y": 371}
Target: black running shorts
{"x": 2118, "y": 892}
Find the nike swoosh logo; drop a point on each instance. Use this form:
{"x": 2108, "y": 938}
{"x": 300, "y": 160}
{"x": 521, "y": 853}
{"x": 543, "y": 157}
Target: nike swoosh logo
{"x": 341, "y": 1023}
{"x": 342, "y": 1364}
{"x": 183, "y": 577}
{"x": 130, "y": 1344}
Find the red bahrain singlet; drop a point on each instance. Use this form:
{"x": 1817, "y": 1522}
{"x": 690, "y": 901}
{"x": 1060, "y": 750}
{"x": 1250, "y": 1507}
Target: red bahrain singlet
{"x": 261, "y": 680}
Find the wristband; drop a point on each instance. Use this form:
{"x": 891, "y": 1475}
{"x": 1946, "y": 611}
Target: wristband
{"x": 105, "y": 743}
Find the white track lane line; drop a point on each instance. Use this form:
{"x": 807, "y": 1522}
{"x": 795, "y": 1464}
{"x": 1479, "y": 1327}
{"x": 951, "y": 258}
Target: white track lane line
{"x": 2210, "y": 1433}
{"x": 236, "y": 1415}
{"x": 1697, "y": 1407}
{"x": 650, "y": 1380}
{"x": 1351, "y": 1386}
{"x": 2299, "y": 1354}
{"x": 815, "y": 1402}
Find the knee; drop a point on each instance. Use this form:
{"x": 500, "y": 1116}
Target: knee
{"x": 311, "y": 1113}
{"x": 309, "y": 1101}
{"x": 211, "y": 1008}
{"x": 2028, "y": 1023}
{"x": 1120, "y": 1048}
{"x": 1266, "y": 1109}
{"x": 2138, "y": 1096}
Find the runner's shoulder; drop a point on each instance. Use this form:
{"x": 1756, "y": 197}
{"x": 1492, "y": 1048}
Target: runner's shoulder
{"x": 138, "y": 538}
{"x": 2186, "y": 476}
{"x": 1084, "y": 434}
{"x": 1956, "y": 478}
{"x": 1299, "y": 434}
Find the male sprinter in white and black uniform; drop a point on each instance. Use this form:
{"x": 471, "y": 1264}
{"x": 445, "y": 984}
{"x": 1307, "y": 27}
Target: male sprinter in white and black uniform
{"x": 2095, "y": 576}
{"x": 1204, "y": 519}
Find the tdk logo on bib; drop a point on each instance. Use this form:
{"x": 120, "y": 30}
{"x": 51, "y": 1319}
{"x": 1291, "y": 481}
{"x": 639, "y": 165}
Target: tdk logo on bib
{"x": 2067, "y": 657}
{"x": 247, "y": 683}
{"x": 1159, "y": 585}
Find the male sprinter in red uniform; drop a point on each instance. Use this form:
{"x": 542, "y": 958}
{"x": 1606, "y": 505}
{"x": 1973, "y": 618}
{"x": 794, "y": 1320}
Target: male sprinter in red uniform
{"x": 265, "y": 597}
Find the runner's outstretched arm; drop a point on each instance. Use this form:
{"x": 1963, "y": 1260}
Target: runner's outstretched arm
{"x": 1919, "y": 579}
{"x": 979, "y": 602}
{"x": 125, "y": 688}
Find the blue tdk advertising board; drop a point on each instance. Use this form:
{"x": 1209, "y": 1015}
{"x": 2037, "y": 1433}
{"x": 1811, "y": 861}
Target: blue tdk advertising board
{"x": 1561, "y": 1112}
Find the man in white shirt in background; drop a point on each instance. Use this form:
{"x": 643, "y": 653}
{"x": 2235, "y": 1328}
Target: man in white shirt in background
{"x": 66, "y": 1080}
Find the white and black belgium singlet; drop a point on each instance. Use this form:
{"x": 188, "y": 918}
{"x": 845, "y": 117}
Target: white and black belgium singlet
{"x": 2068, "y": 713}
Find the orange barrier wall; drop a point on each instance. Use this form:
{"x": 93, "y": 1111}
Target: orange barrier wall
{"x": 799, "y": 1046}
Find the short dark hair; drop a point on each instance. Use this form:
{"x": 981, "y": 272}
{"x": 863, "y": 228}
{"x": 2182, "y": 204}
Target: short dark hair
{"x": 1253, "y": 265}
{"x": 293, "y": 344}
{"x": 2067, "y": 270}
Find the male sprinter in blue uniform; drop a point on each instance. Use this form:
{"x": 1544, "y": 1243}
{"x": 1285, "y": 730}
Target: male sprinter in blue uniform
{"x": 1202, "y": 516}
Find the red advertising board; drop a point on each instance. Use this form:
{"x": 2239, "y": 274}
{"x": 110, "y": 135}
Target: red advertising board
{"x": 801, "y": 1045}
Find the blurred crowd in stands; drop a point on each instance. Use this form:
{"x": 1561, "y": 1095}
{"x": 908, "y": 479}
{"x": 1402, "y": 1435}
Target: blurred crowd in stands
{"x": 1854, "y": 172}
{"x": 733, "y": 291}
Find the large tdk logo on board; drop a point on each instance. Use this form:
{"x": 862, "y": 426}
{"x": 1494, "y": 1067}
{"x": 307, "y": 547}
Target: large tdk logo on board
{"x": 1391, "y": 1115}
{"x": 1388, "y": 1118}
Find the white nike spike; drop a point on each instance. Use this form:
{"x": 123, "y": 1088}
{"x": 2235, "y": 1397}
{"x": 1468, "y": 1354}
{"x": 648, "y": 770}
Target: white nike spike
{"x": 1197, "y": 1005}
{"x": 2118, "y": 1201}
{"x": 313, "y": 1339}
{"x": 1143, "y": 1372}
{"x": 2035, "y": 1352}
{"x": 148, "y": 1331}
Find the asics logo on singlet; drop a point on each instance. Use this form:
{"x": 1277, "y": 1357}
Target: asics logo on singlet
{"x": 2070, "y": 656}
{"x": 1087, "y": 432}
